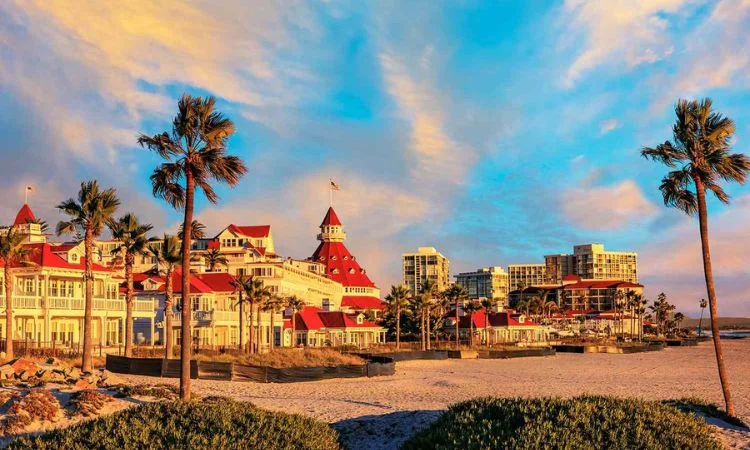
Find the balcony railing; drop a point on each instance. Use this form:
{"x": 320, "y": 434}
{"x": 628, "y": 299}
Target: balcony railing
{"x": 22, "y": 302}
{"x": 73, "y": 303}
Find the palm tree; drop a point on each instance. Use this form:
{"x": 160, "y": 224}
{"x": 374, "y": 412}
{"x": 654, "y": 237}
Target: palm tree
{"x": 214, "y": 258}
{"x": 197, "y": 230}
{"x": 295, "y": 304}
{"x": 397, "y": 300}
{"x": 168, "y": 255}
{"x": 429, "y": 292}
{"x": 132, "y": 242}
{"x": 256, "y": 294}
{"x": 470, "y": 308}
{"x": 241, "y": 284}
{"x": 487, "y": 304}
{"x": 701, "y": 149}
{"x": 418, "y": 306}
{"x": 456, "y": 295}
{"x": 195, "y": 151}
{"x": 703, "y": 303}
{"x": 14, "y": 254}
{"x": 273, "y": 304}
{"x": 87, "y": 217}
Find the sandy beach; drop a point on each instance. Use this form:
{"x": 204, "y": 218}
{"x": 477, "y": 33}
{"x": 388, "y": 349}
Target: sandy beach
{"x": 381, "y": 412}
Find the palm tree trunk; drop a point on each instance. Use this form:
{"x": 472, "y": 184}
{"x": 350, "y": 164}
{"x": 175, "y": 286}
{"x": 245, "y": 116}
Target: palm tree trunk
{"x": 486, "y": 336}
{"x": 458, "y": 343}
{"x": 427, "y": 322}
{"x": 398, "y": 328}
{"x": 271, "y": 331}
{"x": 712, "y": 307}
{"x": 88, "y": 278}
{"x": 421, "y": 326}
{"x": 251, "y": 331}
{"x": 8, "y": 311}
{"x": 168, "y": 315}
{"x": 700, "y": 323}
{"x": 129, "y": 304}
{"x": 242, "y": 322}
{"x": 294, "y": 328}
{"x": 185, "y": 345}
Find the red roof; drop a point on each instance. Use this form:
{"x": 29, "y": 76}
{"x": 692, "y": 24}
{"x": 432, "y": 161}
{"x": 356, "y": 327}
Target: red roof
{"x": 341, "y": 266}
{"x": 42, "y": 255}
{"x": 24, "y": 215}
{"x": 307, "y": 319}
{"x": 197, "y": 286}
{"x": 255, "y": 231}
{"x": 217, "y": 281}
{"x": 571, "y": 277}
{"x": 602, "y": 284}
{"x": 361, "y": 302}
{"x": 311, "y": 318}
{"x": 331, "y": 218}
{"x": 501, "y": 319}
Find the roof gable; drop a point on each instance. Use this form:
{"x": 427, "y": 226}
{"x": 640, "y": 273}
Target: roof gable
{"x": 24, "y": 215}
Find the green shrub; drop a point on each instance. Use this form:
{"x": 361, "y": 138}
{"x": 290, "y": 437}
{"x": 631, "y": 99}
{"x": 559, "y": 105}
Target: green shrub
{"x": 586, "y": 422}
{"x": 700, "y": 406}
{"x": 217, "y": 423}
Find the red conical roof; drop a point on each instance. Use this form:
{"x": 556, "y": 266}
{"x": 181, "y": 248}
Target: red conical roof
{"x": 331, "y": 218}
{"x": 24, "y": 215}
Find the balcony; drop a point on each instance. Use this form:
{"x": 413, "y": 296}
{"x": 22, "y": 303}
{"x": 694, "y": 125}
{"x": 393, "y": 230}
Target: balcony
{"x": 142, "y": 308}
{"x": 23, "y": 302}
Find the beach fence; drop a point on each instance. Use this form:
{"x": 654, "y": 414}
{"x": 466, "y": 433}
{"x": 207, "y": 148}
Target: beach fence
{"x": 229, "y": 371}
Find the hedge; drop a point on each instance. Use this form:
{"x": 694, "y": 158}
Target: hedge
{"x": 586, "y": 422}
{"x": 218, "y": 423}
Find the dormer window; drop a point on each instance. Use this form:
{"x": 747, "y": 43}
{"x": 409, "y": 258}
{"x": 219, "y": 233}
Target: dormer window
{"x": 346, "y": 257}
{"x": 334, "y": 270}
{"x": 333, "y": 258}
{"x": 360, "y": 319}
{"x": 351, "y": 270}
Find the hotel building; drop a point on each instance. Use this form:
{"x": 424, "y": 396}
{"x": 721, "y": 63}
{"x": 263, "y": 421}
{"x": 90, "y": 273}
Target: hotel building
{"x": 425, "y": 264}
{"x": 486, "y": 283}
{"x": 522, "y": 275}
{"x": 592, "y": 262}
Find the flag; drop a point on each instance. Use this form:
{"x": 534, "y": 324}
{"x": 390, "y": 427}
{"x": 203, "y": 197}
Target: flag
{"x": 29, "y": 188}
{"x": 334, "y": 186}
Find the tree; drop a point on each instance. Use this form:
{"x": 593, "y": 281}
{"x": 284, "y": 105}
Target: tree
{"x": 487, "y": 304}
{"x": 678, "y": 318}
{"x": 241, "y": 284}
{"x": 168, "y": 255}
{"x": 703, "y": 303}
{"x": 87, "y": 217}
{"x": 295, "y": 304}
{"x": 195, "y": 152}
{"x": 396, "y": 301}
{"x": 273, "y": 304}
{"x": 14, "y": 254}
{"x": 457, "y": 295}
{"x": 470, "y": 308}
{"x": 132, "y": 241}
{"x": 213, "y": 258}
{"x": 197, "y": 230}
{"x": 418, "y": 306}
{"x": 701, "y": 156}
{"x": 429, "y": 292}
{"x": 255, "y": 293}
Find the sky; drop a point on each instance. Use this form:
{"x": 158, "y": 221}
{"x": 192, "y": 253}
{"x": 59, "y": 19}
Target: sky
{"x": 495, "y": 131}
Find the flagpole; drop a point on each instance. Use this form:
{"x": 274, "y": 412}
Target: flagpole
{"x": 25, "y": 195}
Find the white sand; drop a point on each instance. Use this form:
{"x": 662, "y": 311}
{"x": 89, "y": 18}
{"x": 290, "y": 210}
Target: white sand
{"x": 381, "y": 412}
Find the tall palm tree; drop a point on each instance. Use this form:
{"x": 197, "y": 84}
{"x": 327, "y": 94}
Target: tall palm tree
{"x": 272, "y": 305}
{"x": 168, "y": 255}
{"x": 195, "y": 152}
{"x": 487, "y": 304}
{"x": 429, "y": 292}
{"x": 87, "y": 216}
{"x": 397, "y": 300}
{"x": 295, "y": 304}
{"x": 418, "y": 306}
{"x": 197, "y": 230}
{"x": 701, "y": 155}
{"x": 470, "y": 308}
{"x": 456, "y": 295}
{"x": 703, "y": 303}
{"x": 14, "y": 254}
{"x": 213, "y": 258}
{"x": 132, "y": 241}
{"x": 256, "y": 294}
{"x": 241, "y": 284}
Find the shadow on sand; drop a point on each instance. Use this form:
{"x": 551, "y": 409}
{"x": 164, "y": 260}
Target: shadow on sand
{"x": 383, "y": 432}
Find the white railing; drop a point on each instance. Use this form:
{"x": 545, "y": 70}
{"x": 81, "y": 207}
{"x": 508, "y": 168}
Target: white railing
{"x": 143, "y": 305}
{"x": 226, "y": 316}
{"x": 22, "y": 302}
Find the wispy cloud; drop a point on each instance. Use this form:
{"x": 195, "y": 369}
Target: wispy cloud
{"x": 608, "y": 125}
{"x": 606, "y": 207}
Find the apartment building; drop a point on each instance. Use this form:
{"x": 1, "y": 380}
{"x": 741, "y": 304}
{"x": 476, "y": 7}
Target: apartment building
{"x": 522, "y": 275}
{"x": 425, "y": 264}
{"x": 592, "y": 261}
{"x": 486, "y": 283}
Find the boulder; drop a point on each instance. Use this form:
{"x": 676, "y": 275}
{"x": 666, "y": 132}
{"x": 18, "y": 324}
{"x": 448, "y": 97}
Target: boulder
{"x": 74, "y": 373}
{"x": 108, "y": 379}
{"x": 7, "y": 372}
{"x": 83, "y": 384}
{"x": 23, "y": 364}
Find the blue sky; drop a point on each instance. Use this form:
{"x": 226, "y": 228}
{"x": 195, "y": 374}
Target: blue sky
{"x": 495, "y": 131}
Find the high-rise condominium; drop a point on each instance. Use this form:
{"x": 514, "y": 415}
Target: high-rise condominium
{"x": 592, "y": 262}
{"x": 425, "y": 264}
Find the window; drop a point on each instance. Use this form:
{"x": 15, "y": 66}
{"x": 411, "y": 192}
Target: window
{"x": 53, "y": 288}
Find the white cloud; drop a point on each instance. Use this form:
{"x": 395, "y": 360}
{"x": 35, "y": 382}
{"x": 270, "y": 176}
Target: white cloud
{"x": 633, "y": 32}
{"x": 606, "y": 207}
{"x": 608, "y": 125}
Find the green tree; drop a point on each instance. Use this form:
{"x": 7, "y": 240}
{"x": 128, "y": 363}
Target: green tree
{"x": 396, "y": 302}
{"x": 14, "y": 254}
{"x": 470, "y": 308}
{"x": 295, "y": 304}
{"x": 457, "y": 295}
{"x": 487, "y": 304}
{"x": 241, "y": 284}
{"x": 195, "y": 152}
{"x": 703, "y": 303}
{"x": 701, "y": 155}
{"x": 197, "y": 230}
{"x": 168, "y": 255}
{"x": 87, "y": 216}
{"x": 272, "y": 305}
{"x": 131, "y": 242}
{"x": 418, "y": 307}
{"x": 429, "y": 292}
{"x": 213, "y": 258}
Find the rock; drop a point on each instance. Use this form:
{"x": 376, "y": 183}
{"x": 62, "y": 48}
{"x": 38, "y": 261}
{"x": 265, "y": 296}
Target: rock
{"x": 54, "y": 361}
{"x": 23, "y": 364}
{"x": 82, "y": 384}
{"x": 108, "y": 379}
{"x": 74, "y": 373}
{"x": 7, "y": 372}
{"x": 24, "y": 376}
